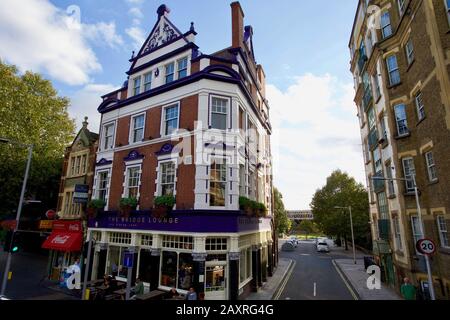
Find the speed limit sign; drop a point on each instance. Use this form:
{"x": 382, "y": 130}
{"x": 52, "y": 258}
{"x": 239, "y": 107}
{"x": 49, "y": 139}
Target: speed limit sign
{"x": 426, "y": 246}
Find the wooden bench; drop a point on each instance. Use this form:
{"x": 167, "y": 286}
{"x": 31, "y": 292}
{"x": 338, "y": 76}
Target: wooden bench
{"x": 152, "y": 295}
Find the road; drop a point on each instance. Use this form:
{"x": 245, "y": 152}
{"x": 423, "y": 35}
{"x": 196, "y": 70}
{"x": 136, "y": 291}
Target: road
{"x": 314, "y": 276}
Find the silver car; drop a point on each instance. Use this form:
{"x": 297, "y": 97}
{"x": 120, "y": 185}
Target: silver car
{"x": 322, "y": 246}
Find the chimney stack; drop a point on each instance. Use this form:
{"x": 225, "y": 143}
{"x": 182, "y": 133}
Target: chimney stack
{"x": 237, "y": 23}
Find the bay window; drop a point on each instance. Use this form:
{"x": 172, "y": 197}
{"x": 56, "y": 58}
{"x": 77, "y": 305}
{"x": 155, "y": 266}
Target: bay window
{"x": 218, "y": 182}
{"x": 219, "y": 113}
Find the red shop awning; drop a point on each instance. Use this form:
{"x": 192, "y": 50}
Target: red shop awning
{"x": 63, "y": 241}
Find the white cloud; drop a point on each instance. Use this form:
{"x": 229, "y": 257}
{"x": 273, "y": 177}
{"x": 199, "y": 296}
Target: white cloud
{"x": 138, "y": 35}
{"x": 135, "y": 2}
{"x": 36, "y": 35}
{"x": 136, "y": 12}
{"x": 315, "y": 131}
{"x": 84, "y": 103}
{"x": 103, "y": 33}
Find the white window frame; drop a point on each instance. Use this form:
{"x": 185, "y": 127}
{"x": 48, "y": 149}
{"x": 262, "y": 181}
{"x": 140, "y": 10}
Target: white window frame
{"x": 132, "y": 128}
{"x": 126, "y": 193}
{"x": 148, "y": 82}
{"x": 168, "y": 74}
{"x": 137, "y": 89}
{"x": 390, "y": 182}
{"x": 445, "y": 243}
{"x": 394, "y": 70}
{"x": 226, "y": 182}
{"x": 163, "y": 119}
{"x": 400, "y": 134}
{"x": 97, "y": 189}
{"x": 431, "y": 166}
{"x": 401, "y": 7}
{"x": 228, "y": 124}
{"x": 112, "y": 123}
{"x": 186, "y": 68}
{"x": 409, "y": 49}
{"x": 412, "y": 171}
{"x": 159, "y": 180}
{"x": 397, "y": 233}
{"x": 416, "y": 232}
{"x": 384, "y": 27}
{"x": 420, "y": 106}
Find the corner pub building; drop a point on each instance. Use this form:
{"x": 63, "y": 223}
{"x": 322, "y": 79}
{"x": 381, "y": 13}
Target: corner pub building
{"x": 194, "y": 126}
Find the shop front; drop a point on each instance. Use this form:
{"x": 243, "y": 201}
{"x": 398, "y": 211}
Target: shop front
{"x": 217, "y": 264}
{"x": 64, "y": 244}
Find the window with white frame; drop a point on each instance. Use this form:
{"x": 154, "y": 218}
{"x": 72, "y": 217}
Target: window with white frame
{"x": 393, "y": 71}
{"x": 416, "y": 229}
{"x": 147, "y": 81}
{"x": 242, "y": 180}
{"x": 218, "y": 182}
{"x": 409, "y": 48}
{"x": 431, "y": 166}
{"x": 383, "y": 206}
{"x": 383, "y": 127}
{"x": 137, "y": 133}
{"x": 78, "y": 165}
{"x": 102, "y": 185}
{"x": 376, "y": 83}
{"x": 216, "y": 244}
{"x": 400, "y": 119}
{"x": 170, "y": 72}
{"x": 219, "y": 113}
{"x": 171, "y": 119}
{"x": 177, "y": 242}
{"x": 120, "y": 237}
{"x": 371, "y": 118}
{"x": 137, "y": 86}
{"x": 72, "y": 166}
{"x": 84, "y": 163}
{"x": 182, "y": 65}
{"x": 397, "y": 234}
{"x": 401, "y": 6}
{"x": 108, "y": 136}
{"x": 386, "y": 28}
{"x": 420, "y": 107}
{"x": 70, "y": 207}
{"x": 443, "y": 231}
{"x": 132, "y": 184}
{"x": 390, "y": 181}
{"x": 409, "y": 170}
{"x": 146, "y": 240}
{"x": 245, "y": 265}
{"x": 167, "y": 177}
{"x": 377, "y": 163}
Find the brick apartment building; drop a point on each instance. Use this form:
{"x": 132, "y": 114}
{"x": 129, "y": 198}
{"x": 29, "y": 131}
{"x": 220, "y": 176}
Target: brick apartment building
{"x": 195, "y": 127}
{"x": 400, "y": 53}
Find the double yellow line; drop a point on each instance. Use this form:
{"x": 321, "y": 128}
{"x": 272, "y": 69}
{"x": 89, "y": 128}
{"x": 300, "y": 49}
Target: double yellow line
{"x": 286, "y": 279}
{"x": 354, "y": 295}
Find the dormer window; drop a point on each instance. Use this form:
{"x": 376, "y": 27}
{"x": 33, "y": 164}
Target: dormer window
{"x": 137, "y": 86}
{"x": 170, "y": 70}
{"x": 147, "y": 81}
{"x": 182, "y": 67}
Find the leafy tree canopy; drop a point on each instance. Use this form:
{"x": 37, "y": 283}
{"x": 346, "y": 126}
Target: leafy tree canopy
{"x": 31, "y": 112}
{"x": 282, "y": 222}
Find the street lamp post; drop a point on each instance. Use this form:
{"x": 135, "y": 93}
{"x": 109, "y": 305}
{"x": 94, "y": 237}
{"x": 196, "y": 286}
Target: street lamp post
{"x": 19, "y": 211}
{"x": 422, "y": 228}
{"x": 351, "y": 227}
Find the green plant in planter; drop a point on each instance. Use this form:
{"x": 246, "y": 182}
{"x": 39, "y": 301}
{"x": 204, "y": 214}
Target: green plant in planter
{"x": 254, "y": 205}
{"x": 94, "y": 206}
{"x": 245, "y": 205}
{"x": 163, "y": 205}
{"x": 127, "y": 205}
{"x": 262, "y": 210}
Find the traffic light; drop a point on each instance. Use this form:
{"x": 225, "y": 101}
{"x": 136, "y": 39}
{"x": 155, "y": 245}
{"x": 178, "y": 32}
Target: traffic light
{"x": 11, "y": 242}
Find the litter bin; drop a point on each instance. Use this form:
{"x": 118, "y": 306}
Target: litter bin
{"x": 368, "y": 261}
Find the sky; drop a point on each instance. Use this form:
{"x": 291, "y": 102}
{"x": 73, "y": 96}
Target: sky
{"x": 83, "y": 47}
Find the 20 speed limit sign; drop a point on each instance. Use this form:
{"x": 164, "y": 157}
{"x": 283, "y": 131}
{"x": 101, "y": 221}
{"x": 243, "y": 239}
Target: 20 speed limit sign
{"x": 426, "y": 246}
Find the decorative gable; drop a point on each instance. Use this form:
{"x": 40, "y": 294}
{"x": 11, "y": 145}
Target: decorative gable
{"x": 163, "y": 32}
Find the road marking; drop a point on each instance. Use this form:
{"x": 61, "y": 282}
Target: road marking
{"x": 315, "y": 289}
{"x": 304, "y": 254}
{"x": 280, "y": 291}
{"x": 355, "y": 297}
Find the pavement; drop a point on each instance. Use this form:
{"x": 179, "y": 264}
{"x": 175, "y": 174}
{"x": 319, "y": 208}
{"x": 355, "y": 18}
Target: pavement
{"x": 271, "y": 289}
{"x": 356, "y": 277}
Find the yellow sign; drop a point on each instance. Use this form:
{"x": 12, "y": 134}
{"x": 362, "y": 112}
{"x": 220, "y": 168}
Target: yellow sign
{"x": 46, "y": 224}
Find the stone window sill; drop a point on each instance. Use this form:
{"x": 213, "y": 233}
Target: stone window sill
{"x": 392, "y": 196}
{"x": 421, "y": 120}
{"x": 433, "y": 182}
{"x": 403, "y": 136}
{"x": 410, "y": 65}
{"x": 392, "y": 86}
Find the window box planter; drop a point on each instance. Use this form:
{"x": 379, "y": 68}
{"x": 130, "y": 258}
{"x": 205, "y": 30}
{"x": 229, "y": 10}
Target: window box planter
{"x": 94, "y": 207}
{"x": 163, "y": 206}
{"x": 127, "y": 205}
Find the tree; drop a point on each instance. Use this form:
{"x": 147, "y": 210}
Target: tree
{"x": 307, "y": 227}
{"x": 342, "y": 190}
{"x": 282, "y": 222}
{"x": 31, "y": 112}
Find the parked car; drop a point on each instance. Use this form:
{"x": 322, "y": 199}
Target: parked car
{"x": 288, "y": 246}
{"x": 322, "y": 246}
{"x": 294, "y": 239}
